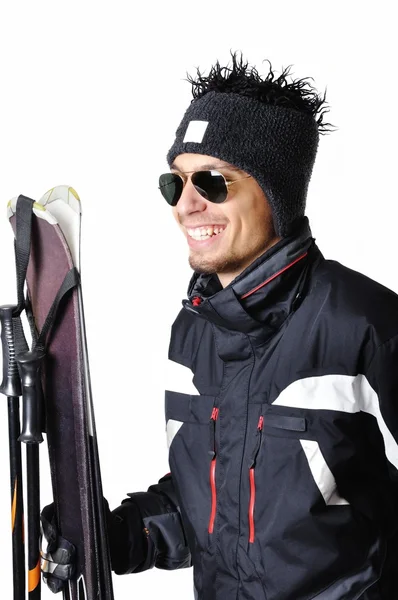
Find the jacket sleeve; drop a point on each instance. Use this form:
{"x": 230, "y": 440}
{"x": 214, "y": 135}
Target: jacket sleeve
{"x": 146, "y": 531}
{"x": 382, "y": 375}
{"x": 381, "y": 401}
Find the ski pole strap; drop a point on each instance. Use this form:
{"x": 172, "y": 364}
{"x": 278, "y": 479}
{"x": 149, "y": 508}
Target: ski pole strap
{"x": 58, "y": 556}
{"x": 31, "y": 319}
{"x": 24, "y": 213}
{"x": 29, "y": 368}
{"x": 72, "y": 280}
{"x": 59, "y": 564}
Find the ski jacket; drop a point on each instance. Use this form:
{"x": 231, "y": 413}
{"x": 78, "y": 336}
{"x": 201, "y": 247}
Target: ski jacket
{"x": 283, "y": 446}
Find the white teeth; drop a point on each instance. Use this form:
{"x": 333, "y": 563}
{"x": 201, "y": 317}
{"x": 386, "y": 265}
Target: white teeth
{"x": 203, "y": 233}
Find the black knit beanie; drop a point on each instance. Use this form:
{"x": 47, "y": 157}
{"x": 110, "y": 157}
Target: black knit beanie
{"x": 275, "y": 144}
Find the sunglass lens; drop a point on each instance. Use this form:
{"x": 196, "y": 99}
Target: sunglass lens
{"x": 210, "y": 185}
{"x": 171, "y": 186}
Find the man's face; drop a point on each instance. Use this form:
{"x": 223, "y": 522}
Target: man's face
{"x": 245, "y": 220}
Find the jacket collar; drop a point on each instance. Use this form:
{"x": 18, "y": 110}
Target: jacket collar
{"x": 264, "y": 294}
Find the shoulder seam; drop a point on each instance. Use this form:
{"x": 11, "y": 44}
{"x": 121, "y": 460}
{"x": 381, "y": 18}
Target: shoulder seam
{"x": 378, "y": 348}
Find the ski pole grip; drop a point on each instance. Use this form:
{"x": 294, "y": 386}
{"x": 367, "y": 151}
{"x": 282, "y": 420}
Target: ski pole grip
{"x": 29, "y": 365}
{"x": 11, "y": 385}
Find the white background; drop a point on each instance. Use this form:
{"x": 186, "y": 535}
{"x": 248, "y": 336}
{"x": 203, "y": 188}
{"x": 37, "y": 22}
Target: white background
{"x": 91, "y": 95}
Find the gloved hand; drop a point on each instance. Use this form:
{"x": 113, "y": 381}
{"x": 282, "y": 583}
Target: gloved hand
{"x": 57, "y": 554}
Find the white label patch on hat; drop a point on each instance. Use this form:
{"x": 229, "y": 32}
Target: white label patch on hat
{"x": 195, "y": 131}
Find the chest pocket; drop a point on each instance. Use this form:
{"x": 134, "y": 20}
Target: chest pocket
{"x": 188, "y": 426}
{"x": 191, "y": 410}
{"x": 296, "y": 427}
{"x": 285, "y": 425}
{"x": 286, "y": 450}
{"x": 295, "y": 509}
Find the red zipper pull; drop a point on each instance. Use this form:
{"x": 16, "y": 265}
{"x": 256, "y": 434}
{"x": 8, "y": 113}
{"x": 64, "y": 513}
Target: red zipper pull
{"x": 196, "y": 301}
{"x": 213, "y": 419}
{"x": 214, "y": 413}
{"x": 260, "y": 425}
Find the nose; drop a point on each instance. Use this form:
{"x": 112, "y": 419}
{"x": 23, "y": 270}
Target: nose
{"x": 190, "y": 201}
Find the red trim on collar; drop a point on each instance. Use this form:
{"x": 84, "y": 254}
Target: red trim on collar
{"x": 273, "y": 276}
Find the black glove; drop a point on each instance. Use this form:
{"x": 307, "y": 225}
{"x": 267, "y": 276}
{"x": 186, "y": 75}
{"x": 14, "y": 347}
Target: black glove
{"x": 57, "y": 554}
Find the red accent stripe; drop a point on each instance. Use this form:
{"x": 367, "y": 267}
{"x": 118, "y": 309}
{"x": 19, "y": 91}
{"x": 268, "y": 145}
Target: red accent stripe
{"x": 251, "y": 505}
{"x": 273, "y": 276}
{"x": 213, "y": 494}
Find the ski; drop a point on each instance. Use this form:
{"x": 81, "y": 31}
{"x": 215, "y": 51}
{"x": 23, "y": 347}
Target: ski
{"x": 56, "y": 310}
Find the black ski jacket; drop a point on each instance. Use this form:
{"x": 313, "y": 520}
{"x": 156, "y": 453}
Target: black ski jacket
{"x": 283, "y": 445}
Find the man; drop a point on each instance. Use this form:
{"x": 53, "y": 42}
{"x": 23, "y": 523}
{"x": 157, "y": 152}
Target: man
{"x": 283, "y": 446}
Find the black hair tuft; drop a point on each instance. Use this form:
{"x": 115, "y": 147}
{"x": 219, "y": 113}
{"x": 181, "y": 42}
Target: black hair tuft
{"x": 245, "y": 80}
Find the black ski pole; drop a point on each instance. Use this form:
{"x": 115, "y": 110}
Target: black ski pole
{"x": 11, "y": 387}
{"x": 29, "y": 367}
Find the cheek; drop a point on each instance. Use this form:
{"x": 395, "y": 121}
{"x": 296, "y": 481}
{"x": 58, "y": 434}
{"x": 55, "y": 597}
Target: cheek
{"x": 259, "y": 216}
{"x": 252, "y": 221}
{"x": 249, "y": 216}
{"x": 175, "y": 214}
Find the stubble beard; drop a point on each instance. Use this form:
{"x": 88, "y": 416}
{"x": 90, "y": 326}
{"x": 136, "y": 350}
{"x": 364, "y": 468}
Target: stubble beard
{"x": 231, "y": 262}
{"x": 224, "y": 263}
{"x": 209, "y": 266}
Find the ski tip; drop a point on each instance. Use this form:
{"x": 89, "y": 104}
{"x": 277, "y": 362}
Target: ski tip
{"x": 74, "y": 193}
{"x": 11, "y": 207}
{"x": 65, "y": 193}
{"x": 38, "y": 209}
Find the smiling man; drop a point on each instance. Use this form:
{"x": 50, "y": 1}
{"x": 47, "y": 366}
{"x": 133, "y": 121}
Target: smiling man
{"x": 224, "y": 238}
{"x": 283, "y": 423}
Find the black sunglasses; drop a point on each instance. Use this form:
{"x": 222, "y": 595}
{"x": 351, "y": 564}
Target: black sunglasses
{"x": 212, "y": 185}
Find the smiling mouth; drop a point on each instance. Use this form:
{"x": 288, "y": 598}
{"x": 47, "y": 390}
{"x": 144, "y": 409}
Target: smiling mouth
{"x": 205, "y": 233}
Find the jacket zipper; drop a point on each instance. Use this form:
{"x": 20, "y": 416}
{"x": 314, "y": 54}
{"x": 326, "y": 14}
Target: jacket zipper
{"x": 252, "y": 500}
{"x": 213, "y": 419}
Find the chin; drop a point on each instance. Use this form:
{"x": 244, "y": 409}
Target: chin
{"x": 201, "y": 265}
{"x": 219, "y": 264}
